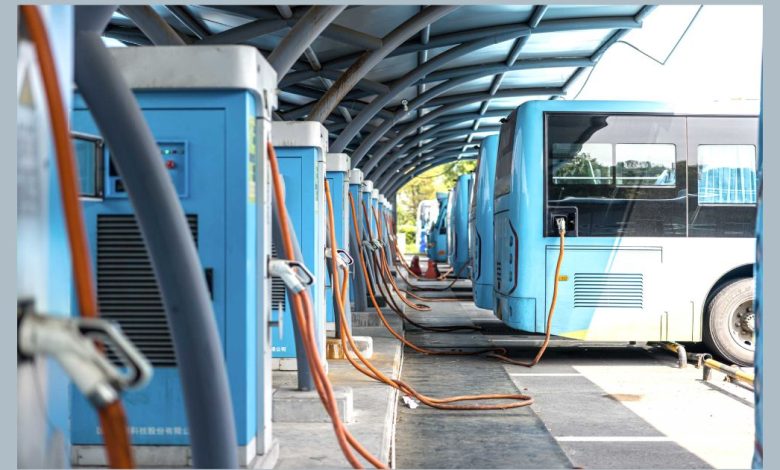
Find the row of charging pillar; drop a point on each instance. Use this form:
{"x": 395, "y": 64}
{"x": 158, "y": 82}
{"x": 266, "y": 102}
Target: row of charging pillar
{"x": 209, "y": 110}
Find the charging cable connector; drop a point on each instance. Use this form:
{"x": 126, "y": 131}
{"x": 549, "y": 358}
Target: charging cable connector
{"x": 72, "y": 343}
{"x": 560, "y": 222}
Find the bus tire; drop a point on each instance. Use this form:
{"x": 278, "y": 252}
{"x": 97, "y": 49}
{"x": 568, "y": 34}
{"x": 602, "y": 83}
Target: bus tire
{"x": 729, "y": 321}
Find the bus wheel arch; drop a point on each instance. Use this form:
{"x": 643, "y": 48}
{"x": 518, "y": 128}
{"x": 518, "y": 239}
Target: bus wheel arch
{"x": 728, "y": 320}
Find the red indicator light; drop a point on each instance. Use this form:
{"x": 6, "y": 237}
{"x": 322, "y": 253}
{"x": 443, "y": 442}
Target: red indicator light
{"x": 170, "y": 164}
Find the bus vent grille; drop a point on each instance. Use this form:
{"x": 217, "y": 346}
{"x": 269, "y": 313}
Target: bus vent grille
{"x": 618, "y": 290}
{"x": 127, "y": 289}
{"x": 278, "y": 290}
{"x": 498, "y": 275}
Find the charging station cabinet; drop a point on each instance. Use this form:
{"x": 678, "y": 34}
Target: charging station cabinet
{"x": 337, "y": 173}
{"x": 365, "y": 195}
{"x": 372, "y": 208}
{"x": 384, "y": 212}
{"x": 209, "y": 109}
{"x": 357, "y": 290}
{"x": 301, "y": 148}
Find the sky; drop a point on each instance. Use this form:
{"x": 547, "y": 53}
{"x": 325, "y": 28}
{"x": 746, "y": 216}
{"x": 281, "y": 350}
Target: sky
{"x": 718, "y": 60}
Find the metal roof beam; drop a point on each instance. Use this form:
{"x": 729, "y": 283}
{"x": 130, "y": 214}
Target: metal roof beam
{"x": 368, "y": 60}
{"x": 394, "y": 184}
{"x": 193, "y": 24}
{"x": 153, "y": 25}
{"x": 246, "y": 32}
{"x": 301, "y": 36}
{"x": 439, "y": 149}
{"x": 512, "y": 57}
{"x": 332, "y": 31}
{"x": 402, "y": 83}
{"x": 427, "y": 99}
{"x": 457, "y": 101}
{"x": 450, "y": 39}
{"x": 127, "y": 35}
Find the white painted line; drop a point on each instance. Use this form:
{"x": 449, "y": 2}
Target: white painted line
{"x": 614, "y": 439}
{"x": 551, "y": 374}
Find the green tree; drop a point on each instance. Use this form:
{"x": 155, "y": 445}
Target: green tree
{"x": 440, "y": 179}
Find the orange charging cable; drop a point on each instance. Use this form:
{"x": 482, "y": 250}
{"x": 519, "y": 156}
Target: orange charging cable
{"x": 518, "y": 400}
{"x": 113, "y": 421}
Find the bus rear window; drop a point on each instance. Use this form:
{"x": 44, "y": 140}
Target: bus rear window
{"x": 581, "y": 163}
{"x": 506, "y": 144}
{"x": 727, "y": 174}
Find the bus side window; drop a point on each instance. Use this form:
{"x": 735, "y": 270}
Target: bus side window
{"x": 722, "y": 177}
{"x": 625, "y": 173}
{"x": 727, "y": 174}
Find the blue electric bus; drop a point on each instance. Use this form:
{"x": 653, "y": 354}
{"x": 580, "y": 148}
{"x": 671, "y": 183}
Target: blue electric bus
{"x": 437, "y": 236}
{"x": 427, "y": 213}
{"x": 481, "y": 224}
{"x": 660, "y": 213}
{"x": 458, "y": 226}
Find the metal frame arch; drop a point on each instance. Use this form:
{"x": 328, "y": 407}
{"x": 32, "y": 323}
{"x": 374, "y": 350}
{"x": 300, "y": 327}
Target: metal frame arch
{"x": 368, "y": 60}
{"x": 301, "y": 36}
{"x": 410, "y": 78}
{"x": 468, "y": 98}
{"x": 393, "y": 186}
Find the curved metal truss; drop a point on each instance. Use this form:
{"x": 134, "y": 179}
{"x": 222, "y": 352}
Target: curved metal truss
{"x": 399, "y": 99}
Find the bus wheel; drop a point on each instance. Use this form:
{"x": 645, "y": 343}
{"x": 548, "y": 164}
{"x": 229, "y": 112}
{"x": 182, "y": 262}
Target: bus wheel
{"x": 729, "y": 327}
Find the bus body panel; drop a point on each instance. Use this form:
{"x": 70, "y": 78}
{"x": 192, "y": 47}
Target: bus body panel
{"x": 611, "y": 288}
{"x": 437, "y": 236}
{"x": 481, "y": 224}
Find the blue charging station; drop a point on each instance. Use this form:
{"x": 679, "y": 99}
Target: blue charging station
{"x": 437, "y": 236}
{"x": 365, "y": 195}
{"x": 43, "y": 263}
{"x": 209, "y": 109}
{"x": 481, "y": 224}
{"x": 301, "y": 148}
{"x": 357, "y": 289}
{"x": 384, "y": 212}
{"x": 372, "y": 207}
{"x": 337, "y": 173}
{"x": 458, "y": 226}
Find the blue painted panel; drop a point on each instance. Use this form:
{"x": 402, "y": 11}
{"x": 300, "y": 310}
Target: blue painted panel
{"x": 215, "y": 179}
{"x": 303, "y": 197}
{"x": 354, "y": 190}
{"x": 458, "y": 227}
{"x": 519, "y": 244}
{"x": 336, "y": 180}
{"x": 59, "y": 25}
{"x": 437, "y": 237}
{"x": 481, "y": 224}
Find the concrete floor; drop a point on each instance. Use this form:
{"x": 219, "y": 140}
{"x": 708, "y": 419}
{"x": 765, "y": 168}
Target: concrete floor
{"x": 313, "y": 444}
{"x": 595, "y": 407}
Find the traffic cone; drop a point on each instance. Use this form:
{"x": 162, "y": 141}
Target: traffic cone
{"x": 433, "y": 270}
{"x": 415, "y": 267}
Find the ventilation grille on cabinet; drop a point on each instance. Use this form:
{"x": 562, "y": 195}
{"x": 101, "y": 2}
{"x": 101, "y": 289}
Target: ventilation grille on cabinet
{"x": 608, "y": 290}
{"x": 127, "y": 289}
